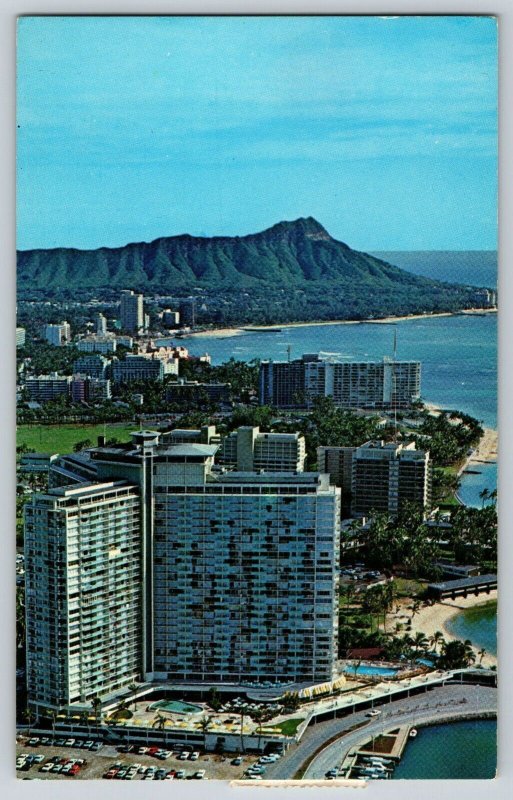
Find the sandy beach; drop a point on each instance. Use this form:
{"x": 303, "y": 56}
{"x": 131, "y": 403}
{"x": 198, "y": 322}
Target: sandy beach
{"x": 225, "y": 332}
{"x": 435, "y": 618}
{"x": 486, "y": 451}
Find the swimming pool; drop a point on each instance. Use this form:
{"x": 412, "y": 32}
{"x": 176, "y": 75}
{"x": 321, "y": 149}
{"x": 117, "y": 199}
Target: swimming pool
{"x": 176, "y": 707}
{"x": 371, "y": 669}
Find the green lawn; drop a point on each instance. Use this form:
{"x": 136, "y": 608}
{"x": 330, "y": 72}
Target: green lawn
{"x": 409, "y": 587}
{"x": 61, "y": 438}
{"x": 288, "y": 727}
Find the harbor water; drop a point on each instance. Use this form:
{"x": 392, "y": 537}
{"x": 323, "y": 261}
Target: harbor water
{"x": 459, "y": 750}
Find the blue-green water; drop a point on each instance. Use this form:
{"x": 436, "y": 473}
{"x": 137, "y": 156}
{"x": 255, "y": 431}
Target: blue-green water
{"x": 372, "y": 669}
{"x": 458, "y": 750}
{"x": 177, "y": 707}
{"x": 458, "y": 354}
{"x": 472, "y": 485}
{"x": 479, "y": 624}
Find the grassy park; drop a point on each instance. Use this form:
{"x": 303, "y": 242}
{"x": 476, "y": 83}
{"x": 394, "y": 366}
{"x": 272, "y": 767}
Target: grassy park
{"x": 62, "y": 438}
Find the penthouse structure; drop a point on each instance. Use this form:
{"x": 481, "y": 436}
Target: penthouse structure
{"x": 83, "y": 578}
{"x": 387, "y": 475}
{"x": 250, "y": 450}
{"x": 131, "y": 312}
{"x": 228, "y": 576}
{"x": 383, "y": 384}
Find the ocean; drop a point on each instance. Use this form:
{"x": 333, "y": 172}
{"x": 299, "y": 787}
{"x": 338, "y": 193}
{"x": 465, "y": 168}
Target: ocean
{"x": 479, "y": 624}
{"x": 458, "y": 353}
{"x": 459, "y": 750}
{"x": 470, "y": 267}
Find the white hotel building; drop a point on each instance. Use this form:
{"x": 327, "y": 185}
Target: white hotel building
{"x": 170, "y": 570}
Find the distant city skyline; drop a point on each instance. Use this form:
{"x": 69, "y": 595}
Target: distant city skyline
{"x": 383, "y": 129}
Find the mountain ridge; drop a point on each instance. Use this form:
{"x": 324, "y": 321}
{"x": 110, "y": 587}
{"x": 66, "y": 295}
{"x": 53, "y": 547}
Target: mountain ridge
{"x": 289, "y": 252}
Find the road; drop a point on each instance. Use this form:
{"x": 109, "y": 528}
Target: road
{"x": 408, "y": 711}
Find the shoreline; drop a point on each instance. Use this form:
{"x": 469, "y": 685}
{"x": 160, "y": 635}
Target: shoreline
{"x": 237, "y": 331}
{"x": 430, "y": 619}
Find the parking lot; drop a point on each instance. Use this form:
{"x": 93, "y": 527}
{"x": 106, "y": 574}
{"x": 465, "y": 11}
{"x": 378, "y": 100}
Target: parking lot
{"x": 133, "y": 765}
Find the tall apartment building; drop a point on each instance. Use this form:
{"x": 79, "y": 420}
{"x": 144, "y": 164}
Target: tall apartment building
{"x": 131, "y": 313}
{"x": 58, "y": 334}
{"x": 83, "y": 598}
{"x": 170, "y": 319}
{"x": 249, "y": 450}
{"x": 387, "y": 475}
{"x": 47, "y": 387}
{"x": 137, "y": 368}
{"x": 21, "y": 335}
{"x": 187, "y": 313}
{"x": 94, "y": 366}
{"x": 338, "y": 463}
{"x": 177, "y": 572}
{"x": 245, "y": 573}
{"x": 367, "y": 385}
{"x": 101, "y": 325}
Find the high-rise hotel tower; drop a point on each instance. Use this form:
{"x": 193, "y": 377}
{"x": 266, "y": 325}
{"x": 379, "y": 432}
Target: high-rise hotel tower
{"x": 172, "y": 569}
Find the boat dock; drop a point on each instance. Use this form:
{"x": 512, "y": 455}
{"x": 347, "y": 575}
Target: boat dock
{"x": 387, "y": 747}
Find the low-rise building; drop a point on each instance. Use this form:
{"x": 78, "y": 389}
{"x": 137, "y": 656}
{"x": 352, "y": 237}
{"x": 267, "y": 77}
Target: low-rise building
{"x": 184, "y": 393}
{"x": 94, "y": 366}
{"x": 137, "y": 368}
{"x": 47, "y": 387}
{"x": 85, "y": 389}
{"x": 97, "y": 344}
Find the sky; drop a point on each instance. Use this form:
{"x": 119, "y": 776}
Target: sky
{"x": 383, "y": 129}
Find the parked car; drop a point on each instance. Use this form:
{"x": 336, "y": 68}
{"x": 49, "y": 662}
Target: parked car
{"x": 200, "y": 774}
{"x": 194, "y": 756}
{"x": 374, "y": 713}
{"x": 180, "y": 774}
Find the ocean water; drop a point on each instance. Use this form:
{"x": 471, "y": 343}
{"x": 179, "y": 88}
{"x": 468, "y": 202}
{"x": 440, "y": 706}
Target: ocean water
{"x": 473, "y": 484}
{"x": 458, "y": 353}
{"x": 470, "y": 267}
{"x": 459, "y": 750}
{"x": 479, "y": 624}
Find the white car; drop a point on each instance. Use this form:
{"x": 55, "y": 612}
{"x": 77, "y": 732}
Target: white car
{"x": 183, "y": 756}
{"x": 373, "y": 713}
{"x": 194, "y": 756}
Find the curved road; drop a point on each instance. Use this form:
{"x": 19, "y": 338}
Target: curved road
{"x": 442, "y": 701}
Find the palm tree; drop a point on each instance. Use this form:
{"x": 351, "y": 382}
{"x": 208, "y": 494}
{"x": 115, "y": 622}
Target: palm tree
{"x": 415, "y": 608}
{"x": 470, "y": 656}
{"x": 356, "y": 667}
{"x": 30, "y": 716}
{"x": 97, "y": 709}
{"x": 259, "y": 715}
{"x": 133, "y": 688}
{"x": 481, "y": 655}
{"x": 159, "y": 722}
{"x": 420, "y": 642}
{"x": 484, "y": 495}
{"x": 84, "y": 720}
{"x": 205, "y": 724}
{"x": 241, "y": 712}
{"x": 436, "y": 639}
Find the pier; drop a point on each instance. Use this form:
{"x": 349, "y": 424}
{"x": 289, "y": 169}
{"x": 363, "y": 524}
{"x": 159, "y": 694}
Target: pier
{"x": 462, "y": 587}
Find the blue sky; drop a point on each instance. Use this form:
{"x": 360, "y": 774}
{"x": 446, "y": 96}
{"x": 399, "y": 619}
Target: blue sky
{"x": 133, "y": 128}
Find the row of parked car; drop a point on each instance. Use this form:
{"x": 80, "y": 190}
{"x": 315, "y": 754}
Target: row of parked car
{"x": 159, "y": 752}
{"x": 90, "y": 744}
{"x": 257, "y": 770}
{"x": 66, "y": 766}
{"x": 128, "y": 772}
